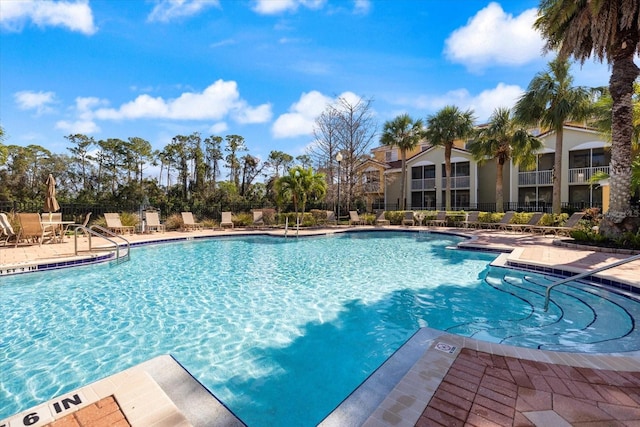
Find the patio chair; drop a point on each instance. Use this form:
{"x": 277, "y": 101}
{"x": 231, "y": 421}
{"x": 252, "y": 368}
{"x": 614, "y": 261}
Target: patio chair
{"x": 440, "y": 219}
{"x": 153, "y": 222}
{"x": 115, "y": 225}
{"x": 227, "y": 220}
{"x": 31, "y": 228}
{"x": 6, "y": 230}
{"x": 354, "y": 218}
{"x": 565, "y": 229}
{"x": 188, "y": 223}
{"x": 51, "y": 216}
{"x": 533, "y": 221}
{"x": 408, "y": 218}
{"x": 380, "y": 218}
{"x": 471, "y": 220}
{"x": 331, "y": 218}
{"x": 258, "y": 219}
{"x": 506, "y": 219}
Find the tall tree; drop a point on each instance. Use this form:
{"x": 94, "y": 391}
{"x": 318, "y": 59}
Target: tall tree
{"x": 279, "y": 160}
{"x": 608, "y": 29}
{"x": 443, "y": 129}
{"x": 404, "y": 133}
{"x": 503, "y": 139}
{"x": 80, "y": 150}
{"x": 213, "y": 154}
{"x": 551, "y": 100}
{"x": 235, "y": 144}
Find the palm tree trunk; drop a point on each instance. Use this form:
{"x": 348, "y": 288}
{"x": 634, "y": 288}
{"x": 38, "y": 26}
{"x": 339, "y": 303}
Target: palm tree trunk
{"x": 403, "y": 179}
{"x": 499, "y": 192}
{"x": 557, "y": 173}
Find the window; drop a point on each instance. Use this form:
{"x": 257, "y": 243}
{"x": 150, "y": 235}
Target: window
{"x": 391, "y": 156}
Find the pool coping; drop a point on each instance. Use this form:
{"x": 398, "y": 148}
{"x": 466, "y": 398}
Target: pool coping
{"x": 158, "y": 392}
{"x": 433, "y": 352}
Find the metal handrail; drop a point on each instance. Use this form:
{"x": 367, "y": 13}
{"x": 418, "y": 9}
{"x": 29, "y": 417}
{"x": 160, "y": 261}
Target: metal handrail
{"x": 585, "y": 274}
{"x": 90, "y": 231}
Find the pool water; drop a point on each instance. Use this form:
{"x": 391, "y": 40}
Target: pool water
{"x": 280, "y": 330}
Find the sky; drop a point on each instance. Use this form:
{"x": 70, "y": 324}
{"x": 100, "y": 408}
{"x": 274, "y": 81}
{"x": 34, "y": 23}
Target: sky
{"x": 262, "y": 69}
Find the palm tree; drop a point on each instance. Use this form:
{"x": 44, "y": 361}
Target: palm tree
{"x": 405, "y": 133}
{"x": 608, "y": 29}
{"x": 503, "y": 140}
{"x": 299, "y": 185}
{"x": 551, "y": 101}
{"x": 443, "y": 128}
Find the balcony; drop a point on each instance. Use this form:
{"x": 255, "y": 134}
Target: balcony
{"x": 423, "y": 184}
{"x": 535, "y": 178}
{"x": 458, "y": 182}
{"x": 371, "y": 187}
{"x": 583, "y": 175}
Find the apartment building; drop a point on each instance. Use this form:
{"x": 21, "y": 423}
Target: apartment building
{"x": 473, "y": 186}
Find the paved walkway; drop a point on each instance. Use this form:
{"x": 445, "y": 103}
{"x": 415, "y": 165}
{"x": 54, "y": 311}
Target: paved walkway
{"x": 480, "y": 385}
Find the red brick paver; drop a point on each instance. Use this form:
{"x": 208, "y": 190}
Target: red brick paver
{"x": 481, "y": 389}
{"x": 103, "y": 413}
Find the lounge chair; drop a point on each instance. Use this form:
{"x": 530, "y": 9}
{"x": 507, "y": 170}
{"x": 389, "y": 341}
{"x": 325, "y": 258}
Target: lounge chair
{"x": 533, "y": 221}
{"x": 568, "y": 226}
{"x": 31, "y": 228}
{"x": 226, "y": 220}
{"x": 408, "y": 218}
{"x": 115, "y": 225}
{"x": 6, "y": 230}
{"x": 331, "y": 218}
{"x": 354, "y": 218}
{"x": 471, "y": 220}
{"x": 258, "y": 219}
{"x": 506, "y": 219}
{"x": 440, "y": 219}
{"x": 188, "y": 223}
{"x": 380, "y": 219}
{"x": 153, "y": 222}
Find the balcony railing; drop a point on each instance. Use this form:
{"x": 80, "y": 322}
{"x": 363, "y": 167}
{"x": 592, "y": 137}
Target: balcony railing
{"x": 535, "y": 178}
{"x": 583, "y": 175}
{"x": 423, "y": 184}
{"x": 371, "y": 187}
{"x": 458, "y": 182}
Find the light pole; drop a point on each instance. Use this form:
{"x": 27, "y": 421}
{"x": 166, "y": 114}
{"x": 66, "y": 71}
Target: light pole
{"x": 338, "y": 159}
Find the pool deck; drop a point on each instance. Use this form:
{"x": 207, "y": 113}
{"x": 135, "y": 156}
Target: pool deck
{"x": 435, "y": 378}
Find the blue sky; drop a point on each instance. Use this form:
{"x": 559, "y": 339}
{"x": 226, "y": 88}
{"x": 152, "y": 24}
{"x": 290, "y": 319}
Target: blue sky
{"x": 263, "y": 69}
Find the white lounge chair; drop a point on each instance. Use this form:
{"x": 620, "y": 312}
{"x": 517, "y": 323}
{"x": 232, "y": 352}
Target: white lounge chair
{"x": 153, "y": 222}
{"x": 115, "y": 225}
{"x": 227, "y": 220}
{"x": 188, "y": 223}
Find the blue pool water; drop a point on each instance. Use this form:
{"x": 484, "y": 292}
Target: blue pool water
{"x": 281, "y": 330}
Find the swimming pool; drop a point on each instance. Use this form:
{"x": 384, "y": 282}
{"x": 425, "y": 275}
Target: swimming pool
{"x": 281, "y": 330}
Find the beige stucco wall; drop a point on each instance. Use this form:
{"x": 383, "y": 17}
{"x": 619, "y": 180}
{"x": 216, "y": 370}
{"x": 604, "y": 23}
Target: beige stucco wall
{"x": 572, "y": 138}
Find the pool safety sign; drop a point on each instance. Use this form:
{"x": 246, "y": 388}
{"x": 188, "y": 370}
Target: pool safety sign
{"x": 47, "y": 412}
{"x": 444, "y": 347}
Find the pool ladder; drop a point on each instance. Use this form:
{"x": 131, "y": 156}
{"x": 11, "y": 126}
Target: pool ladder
{"x": 585, "y": 274}
{"x": 103, "y": 233}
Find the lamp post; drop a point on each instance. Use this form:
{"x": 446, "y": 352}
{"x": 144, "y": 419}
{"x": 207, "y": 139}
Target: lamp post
{"x": 338, "y": 159}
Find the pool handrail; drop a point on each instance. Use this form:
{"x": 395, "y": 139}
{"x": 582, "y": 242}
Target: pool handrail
{"x": 104, "y": 235}
{"x": 585, "y": 274}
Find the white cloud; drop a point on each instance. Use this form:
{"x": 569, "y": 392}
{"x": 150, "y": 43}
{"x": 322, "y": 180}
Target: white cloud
{"x": 76, "y": 16}
{"x": 362, "y": 7}
{"x": 495, "y": 37}
{"x": 39, "y": 101}
{"x": 215, "y": 102}
{"x": 302, "y": 115}
{"x": 168, "y": 10}
{"x": 85, "y": 127}
{"x": 274, "y": 7}
{"x": 482, "y": 104}
{"x": 219, "y": 128}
